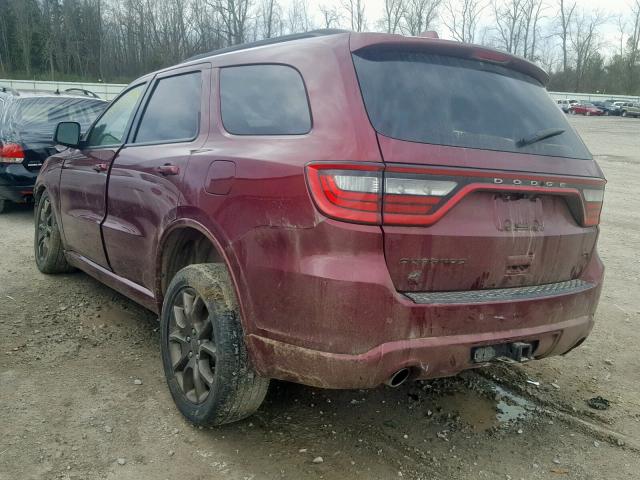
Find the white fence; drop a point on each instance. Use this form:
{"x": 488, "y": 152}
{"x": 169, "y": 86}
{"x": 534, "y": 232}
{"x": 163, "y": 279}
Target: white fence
{"x": 109, "y": 91}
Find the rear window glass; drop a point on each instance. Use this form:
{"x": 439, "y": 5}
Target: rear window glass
{"x": 173, "y": 112}
{"x": 36, "y": 118}
{"x": 436, "y": 99}
{"x": 264, "y": 100}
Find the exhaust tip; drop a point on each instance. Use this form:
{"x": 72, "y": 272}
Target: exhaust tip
{"x": 398, "y": 378}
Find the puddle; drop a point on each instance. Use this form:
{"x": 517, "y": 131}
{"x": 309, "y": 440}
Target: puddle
{"x": 477, "y": 411}
{"x": 483, "y": 413}
{"x": 510, "y": 406}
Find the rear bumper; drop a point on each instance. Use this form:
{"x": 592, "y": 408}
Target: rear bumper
{"x": 431, "y": 339}
{"x": 16, "y": 183}
{"x": 425, "y": 357}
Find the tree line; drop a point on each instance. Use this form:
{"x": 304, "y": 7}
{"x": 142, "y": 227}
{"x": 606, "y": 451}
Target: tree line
{"x": 118, "y": 40}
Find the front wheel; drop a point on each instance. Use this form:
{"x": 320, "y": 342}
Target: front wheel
{"x": 204, "y": 355}
{"x": 3, "y": 203}
{"x": 49, "y": 251}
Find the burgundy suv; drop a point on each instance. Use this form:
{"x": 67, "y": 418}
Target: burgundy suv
{"x": 336, "y": 209}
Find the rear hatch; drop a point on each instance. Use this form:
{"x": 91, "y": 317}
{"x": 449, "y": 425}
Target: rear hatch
{"x": 486, "y": 184}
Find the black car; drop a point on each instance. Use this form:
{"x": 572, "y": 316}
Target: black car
{"x": 608, "y": 107}
{"x": 27, "y": 124}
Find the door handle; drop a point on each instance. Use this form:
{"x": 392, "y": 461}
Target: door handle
{"x": 101, "y": 167}
{"x": 168, "y": 169}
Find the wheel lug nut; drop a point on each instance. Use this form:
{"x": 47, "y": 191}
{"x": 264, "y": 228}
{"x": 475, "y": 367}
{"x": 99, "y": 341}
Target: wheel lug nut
{"x": 188, "y": 339}
{"x": 190, "y": 354}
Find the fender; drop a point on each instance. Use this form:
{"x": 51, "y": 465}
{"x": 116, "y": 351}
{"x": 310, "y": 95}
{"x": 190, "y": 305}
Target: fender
{"x": 220, "y": 245}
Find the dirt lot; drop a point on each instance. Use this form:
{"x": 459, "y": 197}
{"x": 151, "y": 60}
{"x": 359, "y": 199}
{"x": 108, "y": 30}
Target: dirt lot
{"x": 71, "y": 349}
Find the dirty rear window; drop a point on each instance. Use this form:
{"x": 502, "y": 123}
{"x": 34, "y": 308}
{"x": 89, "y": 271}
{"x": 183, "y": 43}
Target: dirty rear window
{"x": 427, "y": 98}
{"x": 36, "y": 118}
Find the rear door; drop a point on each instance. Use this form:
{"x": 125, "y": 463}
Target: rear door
{"x": 146, "y": 177}
{"x": 475, "y": 197}
{"x": 83, "y": 179}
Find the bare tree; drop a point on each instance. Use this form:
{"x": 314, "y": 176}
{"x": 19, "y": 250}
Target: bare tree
{"x": 355, "y": 14}
{"x": 393, "y": 13}
{"x": 584, "y": 40}
{"x": 298, "y": 19}
{"x": 235, "y": 18}
{"x": 419, "y": 15}
{"x": 269, "y": 17}
{"x": 566, "y": 13}
{"x": 532, "y": 10}
{"x": 509, "y": 23}
{"x": 463, "y": 18}
{"x": 633, "y": 56}
{"x": 330, "y": 16}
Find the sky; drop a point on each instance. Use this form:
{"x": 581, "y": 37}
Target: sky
{"x": 609, "y": 32}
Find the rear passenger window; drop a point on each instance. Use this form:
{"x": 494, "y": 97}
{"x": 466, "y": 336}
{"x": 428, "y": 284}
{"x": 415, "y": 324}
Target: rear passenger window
{"x": 173, "y": 112}
{"x": 264, "y": 100}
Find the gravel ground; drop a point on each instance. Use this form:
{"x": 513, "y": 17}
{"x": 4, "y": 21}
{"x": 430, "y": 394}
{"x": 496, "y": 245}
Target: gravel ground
{"x": 82, "y": 394}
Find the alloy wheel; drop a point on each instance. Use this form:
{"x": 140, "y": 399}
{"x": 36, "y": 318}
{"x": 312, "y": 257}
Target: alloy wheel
{"x": 192, "y": 347}
{"x": 45, "y": 229}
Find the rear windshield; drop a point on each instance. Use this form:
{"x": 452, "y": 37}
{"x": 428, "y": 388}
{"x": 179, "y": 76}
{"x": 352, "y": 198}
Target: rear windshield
{"x": 443, "y": 100}
{"x": 35, "y": 119}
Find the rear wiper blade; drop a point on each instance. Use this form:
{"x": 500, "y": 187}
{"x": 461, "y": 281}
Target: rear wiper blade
{"x": 540, "y": 135}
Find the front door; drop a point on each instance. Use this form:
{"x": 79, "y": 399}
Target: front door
{"x": 146, "y": 177}
{"x": 83, "y": 181}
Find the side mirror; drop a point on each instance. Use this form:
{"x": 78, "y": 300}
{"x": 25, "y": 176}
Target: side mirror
{"x": 67, "y": 134}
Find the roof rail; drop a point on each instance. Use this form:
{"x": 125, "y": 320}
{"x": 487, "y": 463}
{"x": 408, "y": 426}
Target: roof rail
{"x": 86, "y": 93}
{"x": 270, "y": 41}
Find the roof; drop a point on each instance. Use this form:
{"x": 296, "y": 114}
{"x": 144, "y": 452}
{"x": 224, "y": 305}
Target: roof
{"x": 290, "y": 46}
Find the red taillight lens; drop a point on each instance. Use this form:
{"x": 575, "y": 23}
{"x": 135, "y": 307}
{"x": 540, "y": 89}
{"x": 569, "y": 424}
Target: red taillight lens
{"x": 347, "y": 192}
{"x": 11, "y": 153}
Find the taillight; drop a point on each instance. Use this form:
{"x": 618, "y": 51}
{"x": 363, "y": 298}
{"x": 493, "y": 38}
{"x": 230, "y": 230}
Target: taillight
{"x": 11, "y": 153}
{"x": 411, "y": 200}
{"x": 593, "y": 199}
{"x": 351, "y": 192}
{"x": 420, "y": 196}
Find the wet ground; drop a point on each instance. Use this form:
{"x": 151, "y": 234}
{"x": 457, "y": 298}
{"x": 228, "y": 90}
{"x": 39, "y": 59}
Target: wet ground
{"x": 71, "y": 350}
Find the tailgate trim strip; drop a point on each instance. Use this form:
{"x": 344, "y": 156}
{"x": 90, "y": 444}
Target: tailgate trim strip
{"x": 501, "y": 294}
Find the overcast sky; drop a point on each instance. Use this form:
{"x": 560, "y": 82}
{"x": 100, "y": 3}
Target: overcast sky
{"x": 609, "y": 32}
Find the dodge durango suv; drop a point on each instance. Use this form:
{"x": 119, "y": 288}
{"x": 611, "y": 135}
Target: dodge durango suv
{"x": 337, "y": 209}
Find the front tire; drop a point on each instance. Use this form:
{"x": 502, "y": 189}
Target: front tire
{"x": 49, "y": 251}
{"x": 205, "y": 359}
{"x": 3, "y": 204}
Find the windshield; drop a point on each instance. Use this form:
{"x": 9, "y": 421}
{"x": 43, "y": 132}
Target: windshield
{"x": 35, "y": 119}
{"x": 427, "y": 98}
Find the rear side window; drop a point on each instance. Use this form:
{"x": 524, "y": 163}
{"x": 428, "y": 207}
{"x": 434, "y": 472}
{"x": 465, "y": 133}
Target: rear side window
{"x": 422, "y": 97}
{"x": 173, "y": 111}
{"x": 264, "y": 100}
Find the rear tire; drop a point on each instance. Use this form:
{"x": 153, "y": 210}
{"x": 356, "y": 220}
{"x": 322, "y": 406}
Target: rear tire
{"x": 49, "y": 251}
{"x": 204, "y": 355}
{"x": 3, "y": 204}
